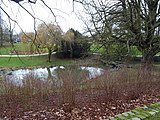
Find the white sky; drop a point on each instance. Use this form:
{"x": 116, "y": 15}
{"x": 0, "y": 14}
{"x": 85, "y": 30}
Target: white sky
{"x": 63, "y": 9}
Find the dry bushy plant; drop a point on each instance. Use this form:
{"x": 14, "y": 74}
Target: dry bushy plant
{"x": 71, "y": 79}
{"x": 121, "y": 84}
{"x": 30, "y": 87}
{"x": 72, "y": 87}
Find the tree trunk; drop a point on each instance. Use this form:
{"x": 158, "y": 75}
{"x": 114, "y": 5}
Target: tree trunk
{"x": 71, "y": 50}
{"x": 49, "y": 55}
{"x": 1, "y": 45}
{"x": 146, "y": 65}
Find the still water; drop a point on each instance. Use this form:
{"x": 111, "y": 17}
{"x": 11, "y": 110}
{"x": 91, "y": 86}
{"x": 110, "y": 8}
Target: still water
{"x": 18, "y": 76}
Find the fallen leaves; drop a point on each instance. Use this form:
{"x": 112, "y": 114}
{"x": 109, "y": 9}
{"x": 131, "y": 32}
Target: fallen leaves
{"x": 86, "y": 108}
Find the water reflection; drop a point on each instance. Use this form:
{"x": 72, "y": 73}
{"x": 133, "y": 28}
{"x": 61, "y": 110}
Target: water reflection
{"x": 43, "y": 73}
{"x": 93, "y": 71}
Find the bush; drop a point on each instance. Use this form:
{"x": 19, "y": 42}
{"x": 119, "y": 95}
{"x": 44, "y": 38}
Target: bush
{"x": 74, "y": 45}
{"x": 74, "y": 49}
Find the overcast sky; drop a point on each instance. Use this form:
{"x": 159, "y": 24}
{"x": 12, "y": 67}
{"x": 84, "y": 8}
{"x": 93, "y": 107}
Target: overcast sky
{"x": 63, "y": 9}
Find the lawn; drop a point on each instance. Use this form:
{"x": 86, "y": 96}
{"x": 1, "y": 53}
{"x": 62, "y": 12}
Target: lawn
{"x": 98, "y": 48}
{"x": 21, "y": 48}
{"x": 31, "y": 61}
{"x": 7, "y": 48}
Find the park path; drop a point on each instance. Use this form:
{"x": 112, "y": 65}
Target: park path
{"x": 23, "y": 55}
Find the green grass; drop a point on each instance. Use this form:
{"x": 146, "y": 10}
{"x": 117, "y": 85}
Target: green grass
{"x": 32, "y": 61}
{"x": 101, "y": 49}
{"x": 8, "y": 62}
{"x": 97, "y": 48}
{"x": 8, "y": 47}
{"x": 25, "y": 47}
{"x": 5, "y": 50}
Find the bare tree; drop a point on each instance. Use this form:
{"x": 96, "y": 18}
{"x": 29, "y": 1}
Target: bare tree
{"x": 30, "y": 11}
{"x": 17, "y": 1}
{"x": 133, "y": 22}
{"x": 49, "y": 36}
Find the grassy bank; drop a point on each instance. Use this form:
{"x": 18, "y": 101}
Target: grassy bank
{"x": 31, "y": 61}
{"x": 11, "y": 62}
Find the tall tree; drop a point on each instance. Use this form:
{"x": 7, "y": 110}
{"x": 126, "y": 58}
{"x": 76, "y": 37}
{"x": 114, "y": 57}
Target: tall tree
{"x": 49, "y": 37}
{"x": 133, "y": 22}
{"x": 141, "y": 19}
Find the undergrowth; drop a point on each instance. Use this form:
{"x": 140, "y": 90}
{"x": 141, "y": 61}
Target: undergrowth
{"x": 72, "y": 88}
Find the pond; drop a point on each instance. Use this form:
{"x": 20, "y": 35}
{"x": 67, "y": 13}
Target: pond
{"x": 17, "y": 76}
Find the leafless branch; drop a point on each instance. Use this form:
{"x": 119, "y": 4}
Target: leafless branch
{"x": 49, "y": 9}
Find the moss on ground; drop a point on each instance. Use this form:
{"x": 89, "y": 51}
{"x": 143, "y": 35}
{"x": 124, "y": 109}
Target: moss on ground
{"x": 151, "y": 112}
